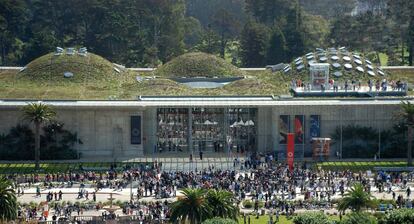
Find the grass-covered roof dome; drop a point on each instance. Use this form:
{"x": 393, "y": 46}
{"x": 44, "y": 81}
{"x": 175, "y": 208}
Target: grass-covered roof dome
{"x": 198, "y": 64}
{"x": 52, "y": 67}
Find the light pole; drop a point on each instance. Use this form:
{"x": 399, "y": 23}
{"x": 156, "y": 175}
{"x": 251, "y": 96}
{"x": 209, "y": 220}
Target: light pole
{"x": 130, "y": 191}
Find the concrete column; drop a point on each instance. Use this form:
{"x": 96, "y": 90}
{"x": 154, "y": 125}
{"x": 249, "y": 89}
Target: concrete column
{"x": 190, "y": 131}
{"x": 149, "y": 124}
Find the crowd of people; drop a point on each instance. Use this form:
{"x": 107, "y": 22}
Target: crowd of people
{"x": 352, "y": 85}
{"x": 262, "y": 180}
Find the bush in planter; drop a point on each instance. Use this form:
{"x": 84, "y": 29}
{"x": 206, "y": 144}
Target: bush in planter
{"x": 311, "y": 218}
{"x": 247, "y": 204}
{"x": 359, "y": 218}
{"x": 388, "y": 201}
{"x": 398, "y": 216}
{"x": 219, "y": 221}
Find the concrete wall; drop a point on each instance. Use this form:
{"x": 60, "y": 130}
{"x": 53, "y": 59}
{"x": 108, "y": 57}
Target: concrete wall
{"x": 103, "y": 132}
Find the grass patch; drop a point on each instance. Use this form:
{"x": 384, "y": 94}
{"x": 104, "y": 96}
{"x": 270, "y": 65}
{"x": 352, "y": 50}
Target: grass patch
{"x": 282, "y": 219}
{"x": 359, "y": 166}
{"x": 15, "y": 86}
{"x": 28, "y": 168}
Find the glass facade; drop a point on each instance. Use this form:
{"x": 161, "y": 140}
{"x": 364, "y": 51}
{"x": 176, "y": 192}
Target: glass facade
{"x": 172, "y": 130}
{"x": 206, "y": 129}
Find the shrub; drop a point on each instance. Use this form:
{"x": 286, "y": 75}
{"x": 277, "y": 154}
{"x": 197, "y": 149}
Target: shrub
{"x": 250, "y": 204}
{"x": 247, "y": 204}
{"x": 219, "y": 221}
{"x": 311, "y": 218}
{"x": 359, "y": 218}
{"x": 398, "y": 216}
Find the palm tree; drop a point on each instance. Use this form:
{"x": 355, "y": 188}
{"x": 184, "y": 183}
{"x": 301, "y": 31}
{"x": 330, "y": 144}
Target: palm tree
{"x": 222, "y": 204}
{"x": 38, "y": 113}
{"x": 8, "y": 201}
{"x": 407, "y": 115}
{"x": 356, "y": 199}
{"x": 192, "y": 207}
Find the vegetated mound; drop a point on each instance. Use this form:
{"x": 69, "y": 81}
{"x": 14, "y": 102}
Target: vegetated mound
{"x": 343, "y": 64}
{"x": 90, "y": 67}
{"x": 153, "y": 87}
{"x": 198, "y": 64}
{"x": 263, "y": 83}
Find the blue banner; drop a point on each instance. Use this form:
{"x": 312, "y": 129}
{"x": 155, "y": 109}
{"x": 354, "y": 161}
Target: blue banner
{"x": 136, "y": 130}
{"x": 315, "y": 126}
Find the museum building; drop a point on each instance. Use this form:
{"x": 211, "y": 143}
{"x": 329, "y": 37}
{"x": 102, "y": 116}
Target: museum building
{"x": 153, "y": 126}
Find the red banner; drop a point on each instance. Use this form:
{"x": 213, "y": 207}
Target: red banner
{"x": 290, "y": 154}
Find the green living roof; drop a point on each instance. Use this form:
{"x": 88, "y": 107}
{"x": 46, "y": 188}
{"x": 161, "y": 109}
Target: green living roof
{"x": 95, "y": 78}
{"x": 198, "y": 64}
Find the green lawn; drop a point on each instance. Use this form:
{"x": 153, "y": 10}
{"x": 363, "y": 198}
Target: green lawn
{"x": 264, "y": 220}
{"x": 357, "y": 166}
{"x": 383, "y": 59}
{"x": 282, "y": 219}
{"x": 27, "y": 168}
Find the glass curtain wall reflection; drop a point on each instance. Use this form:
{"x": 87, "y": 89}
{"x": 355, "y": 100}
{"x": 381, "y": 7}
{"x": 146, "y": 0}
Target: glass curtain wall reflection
{"x": 212, "y": 130}
{"x": 172, "y": 131}
{"x": 208, "y": 129}
{"x": 242, "y": 129}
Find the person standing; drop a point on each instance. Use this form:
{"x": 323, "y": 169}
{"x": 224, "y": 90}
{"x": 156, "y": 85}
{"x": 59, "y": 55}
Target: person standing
{"x": 201, "y": 155}
{"x": 370, "y": 85}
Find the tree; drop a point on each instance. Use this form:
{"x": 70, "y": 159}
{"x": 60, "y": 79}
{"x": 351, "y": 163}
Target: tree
{"x": 294, "y": 32}
{"x": 356, "y": 199}
{"x": 276, "y": 53}
{"x": 13, "y": 20}
{"x": 407, "y": 115}
{"x": 192, "y": 207}
{"x": 210, "y": 42}
{"x": 226, "y": 26}
{"x": 38, "y": 114}
{"x": 400, "y": 12}
{"x": 8, "y": 201}
{"x": 222, "y": 204}
{"x": 269, "y": 12}
{"x": 254, "y": 43}
{"x": 411, "y": 41}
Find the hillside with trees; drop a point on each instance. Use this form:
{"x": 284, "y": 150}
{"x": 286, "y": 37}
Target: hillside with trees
{"x": 248, "y": 33}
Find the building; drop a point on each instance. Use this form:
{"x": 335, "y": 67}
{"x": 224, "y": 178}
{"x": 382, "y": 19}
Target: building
{"x": 166, "y": 125}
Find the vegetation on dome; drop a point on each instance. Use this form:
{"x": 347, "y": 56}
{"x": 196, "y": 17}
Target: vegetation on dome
{"x": 198, "y": 64}
{"x": 51, "y": 67}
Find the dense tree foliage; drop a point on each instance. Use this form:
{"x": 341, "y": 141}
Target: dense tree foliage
{"x": 368, "y": 142}
{"x": 55, "y": 143}
{"x": 8, "y": 201}
{"x": 151, "y": 32}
